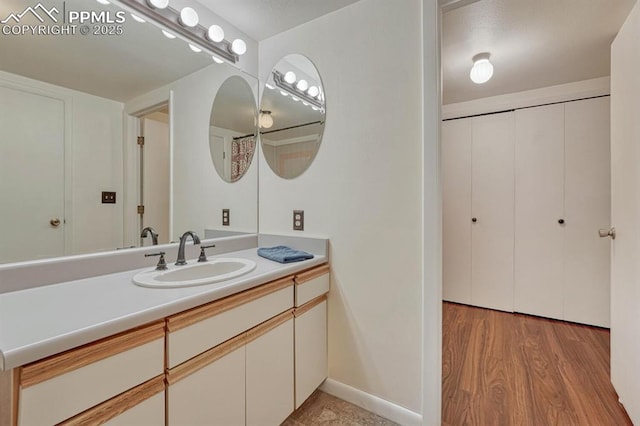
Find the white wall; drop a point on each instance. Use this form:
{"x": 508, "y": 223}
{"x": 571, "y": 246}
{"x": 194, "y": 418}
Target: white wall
{"x": 95, "y": 165}
{"x": 625, "y": 203}
{"x": 198, "y": 193}
{"x": 364, "y": 190}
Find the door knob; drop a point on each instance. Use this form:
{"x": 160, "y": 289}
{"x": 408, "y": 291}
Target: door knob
{"x": 55, "y": 222}
{"x": 561, "y": 221}
{"x": 474, "y": 220}
{"x": 607, "y": 233}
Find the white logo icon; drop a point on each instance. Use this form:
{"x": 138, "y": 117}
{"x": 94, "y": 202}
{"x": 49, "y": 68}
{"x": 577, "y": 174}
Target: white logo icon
{"x": 34, "y": 11}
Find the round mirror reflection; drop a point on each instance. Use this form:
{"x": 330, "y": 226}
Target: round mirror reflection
{"x": 232, "y": 131}
{"x": 292, "y": 115}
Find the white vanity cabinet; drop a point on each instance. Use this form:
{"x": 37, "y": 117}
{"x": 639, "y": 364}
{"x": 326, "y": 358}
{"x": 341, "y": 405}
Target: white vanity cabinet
{"x": 310, "y": 331}
{"x": 61, "y": 387}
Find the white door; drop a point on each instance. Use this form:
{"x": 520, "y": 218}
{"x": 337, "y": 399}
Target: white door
{"x": 539, "y": 209}
{"x": 456, "y": 207}
{"x": 625, "y": 214}
{"x": 587, "y": 209}
{"x": 156, "y": 176}
{"x": 492, "y": 209}
{"x": 31, "y": 175}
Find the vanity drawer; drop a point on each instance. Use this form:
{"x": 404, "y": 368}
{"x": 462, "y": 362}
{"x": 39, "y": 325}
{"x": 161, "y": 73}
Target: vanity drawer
{"x": 195, "y": 331}
{"x": 311, "y": 284}
{"x": 61, "y": 386}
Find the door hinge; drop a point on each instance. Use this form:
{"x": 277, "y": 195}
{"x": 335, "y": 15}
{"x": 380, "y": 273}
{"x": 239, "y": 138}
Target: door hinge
{"x": 141, "y": 140}
{"x": 140, "y": 209}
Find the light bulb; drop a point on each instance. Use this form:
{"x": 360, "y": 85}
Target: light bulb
{"x": 189, "y": 17}
{"x": 138, "y": 19}
{"x": 217, "y": 60}
{"x": 314, "y": 91}
{"x": 268, "y": 86}
{"x": 294, "y": 98}
{"x": 215, "y": 33}
{"x": 266, "y": 120}
{"x": 283, "y": 93}
{"x": 482, "y": 69}
{"x": 290, "y": 77}
{"x": 239, "y": 47}
{"x": 302, "y": 85}
{"x": 168, "y": 35}
{"x": 194, "y": 48}
{"x": 105, "y": 2}
{"x": 158, "y": 4}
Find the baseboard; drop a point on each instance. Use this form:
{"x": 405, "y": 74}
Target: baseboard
{"x": 372, "y": 403}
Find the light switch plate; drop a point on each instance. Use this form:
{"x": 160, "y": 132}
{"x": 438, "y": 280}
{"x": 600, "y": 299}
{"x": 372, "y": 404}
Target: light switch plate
{"x": 108, "y": 197}
{"x": 298, "y": 220}
{"x": 225, "y": 217}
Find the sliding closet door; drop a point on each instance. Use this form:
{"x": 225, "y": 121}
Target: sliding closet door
{"x": 456, "y": 201}
{"x": 492, "y": 207}
{"x": 588, "y": 208}
{"x": 539, "y": 211}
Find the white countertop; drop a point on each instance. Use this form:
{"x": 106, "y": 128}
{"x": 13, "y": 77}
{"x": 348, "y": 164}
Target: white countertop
{"x": 42, "y": 321}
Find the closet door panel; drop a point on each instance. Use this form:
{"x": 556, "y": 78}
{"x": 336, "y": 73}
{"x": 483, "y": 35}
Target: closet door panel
{"x": 588, "y": 208}
{"x": 539, "y": 205}
{"x": 456, "y": 194}
{"x": 492, "y": 204}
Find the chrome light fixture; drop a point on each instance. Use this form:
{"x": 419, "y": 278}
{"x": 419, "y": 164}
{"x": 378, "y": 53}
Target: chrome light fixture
{"x": 288, "y": 85}
{"x": 482, "y": 69}
{"x": 185, "y": 24}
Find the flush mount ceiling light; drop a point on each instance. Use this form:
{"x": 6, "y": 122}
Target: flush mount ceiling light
{"x": 266, "y": 120}
{"x": 185, "y": 24}
{"x": 482, "y": 69}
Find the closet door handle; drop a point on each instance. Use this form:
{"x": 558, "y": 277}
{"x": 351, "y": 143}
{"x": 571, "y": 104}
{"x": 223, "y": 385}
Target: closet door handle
{"x": 474, "y": 220}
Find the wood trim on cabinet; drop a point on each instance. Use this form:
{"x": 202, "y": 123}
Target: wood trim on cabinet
{"x": 15, "y": 391}
{"x": 268, "y": 325}
{"x": 309, "y": 305}
{"x": 192, "y": 316}
{"x": 198, "y": 362}
{"x": 48, "y": 368}
{"x": 310, "y": 274}
{"x": 117, "y": 405}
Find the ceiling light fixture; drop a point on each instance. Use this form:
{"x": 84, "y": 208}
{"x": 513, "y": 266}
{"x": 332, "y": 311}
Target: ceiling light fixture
{"x": 185, "y": 25}
{"x": 266, "y": 120}
{"x": 482, "y": 69}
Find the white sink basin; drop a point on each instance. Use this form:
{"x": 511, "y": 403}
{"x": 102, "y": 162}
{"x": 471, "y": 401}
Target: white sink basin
{"x": 213, "y": 271}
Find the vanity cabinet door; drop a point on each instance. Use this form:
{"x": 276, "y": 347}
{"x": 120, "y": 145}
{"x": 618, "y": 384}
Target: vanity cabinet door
{"x": 310, "y": 347}
{"x": 210, "y": 388}
{"x": 59, "y": 387}
{"x": 270, "y": 381}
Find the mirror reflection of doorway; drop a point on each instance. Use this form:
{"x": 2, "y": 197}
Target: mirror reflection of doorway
{"x": 154, "y": 174}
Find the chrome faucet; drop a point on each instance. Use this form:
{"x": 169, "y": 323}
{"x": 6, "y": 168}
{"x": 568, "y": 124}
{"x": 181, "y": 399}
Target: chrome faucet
{"x": 154, "y": 235}
{"x": 183, "y": 241}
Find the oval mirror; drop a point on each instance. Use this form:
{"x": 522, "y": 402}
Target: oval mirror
{"x": 292, "y": 115}
{"x": 232, "y": 132}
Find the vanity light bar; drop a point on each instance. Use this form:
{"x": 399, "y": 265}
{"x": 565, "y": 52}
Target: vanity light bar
{"x": 169, "y": 19}
{"x": 290, "y": 88}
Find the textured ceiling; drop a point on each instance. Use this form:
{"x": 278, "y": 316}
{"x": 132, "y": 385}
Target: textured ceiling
{"x": 533, "y": 43}
{"x": 261, "y": 19}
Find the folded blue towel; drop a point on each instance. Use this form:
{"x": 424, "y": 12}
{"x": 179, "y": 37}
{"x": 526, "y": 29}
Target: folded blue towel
{"x": 283, "y": 254}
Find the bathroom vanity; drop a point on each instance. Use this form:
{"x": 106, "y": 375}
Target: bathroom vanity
{"x": 244, "y": 351}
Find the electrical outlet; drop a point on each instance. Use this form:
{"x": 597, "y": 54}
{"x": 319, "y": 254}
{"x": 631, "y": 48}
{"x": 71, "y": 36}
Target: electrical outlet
{"x": 108, "y": 197}
{"x": 225, "y": 217}
{"x": 298, "y": 220}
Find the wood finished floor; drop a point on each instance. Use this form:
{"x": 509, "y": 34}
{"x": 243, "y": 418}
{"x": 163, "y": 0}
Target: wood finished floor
{"x": 512, "y": 369}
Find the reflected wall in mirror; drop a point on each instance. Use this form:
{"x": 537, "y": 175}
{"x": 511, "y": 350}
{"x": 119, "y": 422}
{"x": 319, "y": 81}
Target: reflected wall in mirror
{"x": 292, "y": 116}
{"x": 71, "y": 108}
{"x": 233, "y": 130}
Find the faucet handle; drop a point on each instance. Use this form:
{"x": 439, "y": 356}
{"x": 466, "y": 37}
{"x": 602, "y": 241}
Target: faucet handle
{"x": 162, "y": 264}
{"x": 203, "y": 256}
